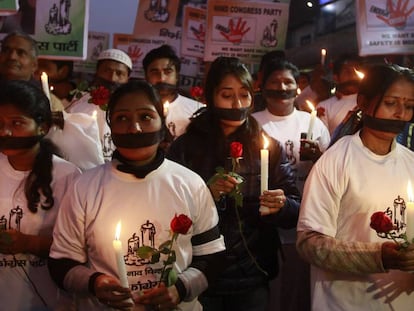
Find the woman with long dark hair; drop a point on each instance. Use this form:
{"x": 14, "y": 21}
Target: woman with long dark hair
{"x": 364, "y": 174}
{"x": 144, "y": 191}
{"x": 252, "y": 240}
{"x": 32, "y": 182}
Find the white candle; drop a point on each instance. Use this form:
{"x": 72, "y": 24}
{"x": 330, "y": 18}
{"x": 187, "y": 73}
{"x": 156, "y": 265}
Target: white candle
{"x": 166, "y": 106}
{"x": 312, "y": 120}
{"x": 45, "y": 84}
{"x": 409, "y": 220}
{"x": 264, "y": 171}
{"x": 323, "y": 56}
{"x": 117, "y": 244}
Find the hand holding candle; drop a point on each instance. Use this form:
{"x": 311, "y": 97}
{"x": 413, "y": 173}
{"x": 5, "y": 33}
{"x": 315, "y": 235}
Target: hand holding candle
{"x": 312, "y": 120}
{"x": 264, "y": 171}
{"x": 409, "y": 220}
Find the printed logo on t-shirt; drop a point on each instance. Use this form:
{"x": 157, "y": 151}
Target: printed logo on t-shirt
{"x": 13, "y": 222}
{"x": 171, "y": 127}
{"x": 397, "y": 215}
{"x": 107, "y": 146}
{"x": 146, "y": 275}
{"x": 289, "y": 146}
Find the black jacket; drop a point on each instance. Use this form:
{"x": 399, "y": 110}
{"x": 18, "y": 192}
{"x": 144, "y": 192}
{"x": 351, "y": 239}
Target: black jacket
{"x": 202, "y": 149}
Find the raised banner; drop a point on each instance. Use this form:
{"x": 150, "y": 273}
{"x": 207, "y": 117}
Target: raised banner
{"x": 385, "y": 27}
{"x": 61, "y": 28}
{"x": 246, "y": 30}
{"x": 8, "y": 7}
{"x": 194, "y": 32}
{"x": 97, "y": 42}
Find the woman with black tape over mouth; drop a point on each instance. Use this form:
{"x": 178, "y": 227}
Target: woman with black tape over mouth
{"x": 354, "y": 265}
{"x": 33, "y": 181}
{"x": 144, "y": 191}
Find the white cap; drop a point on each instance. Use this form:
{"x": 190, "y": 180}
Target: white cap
{"x": 116, "y": 55}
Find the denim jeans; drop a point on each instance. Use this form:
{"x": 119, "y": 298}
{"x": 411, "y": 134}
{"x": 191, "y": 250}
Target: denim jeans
{"x": 253, "y": 300}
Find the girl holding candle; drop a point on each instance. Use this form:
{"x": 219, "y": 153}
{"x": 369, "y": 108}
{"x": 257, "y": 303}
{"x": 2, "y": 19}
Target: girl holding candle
{"x": 145, "y": 191}
{"x": 363, "y": 173}
{"x": 251, "y": 238}
{"x": 32, "y": 183}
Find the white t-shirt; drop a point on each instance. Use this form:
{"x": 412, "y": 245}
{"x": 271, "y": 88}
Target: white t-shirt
{"x": 345, "y": 187}
{"x": 103, "y": 196}
{"x": 16, "y": 292}
{"x": 336, "y": 110}
{"x": 179, "y": 114}
{"x": 82, "y": 105}
{"x": 287, "y": 130}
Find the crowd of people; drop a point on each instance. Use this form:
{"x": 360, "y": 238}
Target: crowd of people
{"x": 96, "y": 191}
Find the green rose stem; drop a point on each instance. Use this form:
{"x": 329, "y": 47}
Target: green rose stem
{"x": 168, "y": 277}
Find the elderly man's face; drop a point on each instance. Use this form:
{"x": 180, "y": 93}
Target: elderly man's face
{"x": 17, "y": 59}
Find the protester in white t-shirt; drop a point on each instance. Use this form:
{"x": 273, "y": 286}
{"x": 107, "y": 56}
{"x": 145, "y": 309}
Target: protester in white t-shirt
{"x": 162, "y": 69}
{"x": 353, "y": 268}
{"x": 32, "y": 183}
{"x": 282, "y": 121}
{"x": 76, "y": 134}
{"x": 112, "y": 69}
{"x": 144, "y": 191}
{"x": 333, "y": 110}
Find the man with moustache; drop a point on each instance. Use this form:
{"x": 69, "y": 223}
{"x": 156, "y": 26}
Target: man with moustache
{"x": 162, "y": 68}
{"x": 18, "y": 61}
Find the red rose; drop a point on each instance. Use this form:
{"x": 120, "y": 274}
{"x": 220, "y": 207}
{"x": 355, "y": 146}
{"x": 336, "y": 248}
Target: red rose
{"x": 381, "y": 223}
{"x": 236, "y": 150}
{"x": 100, "y": 96}
{"x": 180, "y": 224}
{"x": 196, "y": 92}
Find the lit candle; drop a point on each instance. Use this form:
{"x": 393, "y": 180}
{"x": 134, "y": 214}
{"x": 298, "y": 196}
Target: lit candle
{"x": 264, "y": 172}
{"x": 323, "y": 56}
{"x": 409, "y": 220}
{"x": 166, "y": 106}
{"x": 359, "y": 74}
{"x": 45, "y": 84}
{"x": 312, "y": 120}
{"x": 117, "y": 244}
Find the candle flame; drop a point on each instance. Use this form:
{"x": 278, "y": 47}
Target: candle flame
{"x": 94, "y": 114}
{"x": 166, "y": 106}
{"x": 410, "y": 192}
{"x": 118, "y": 230}
{"x": 298, "y": 91}
{"x": 265, "y": 142}
{"x": 310, "y": 105}
{"x": 51, "y": 88}
{"x": 360, "y": 74}
{"x": 323, "y": 52}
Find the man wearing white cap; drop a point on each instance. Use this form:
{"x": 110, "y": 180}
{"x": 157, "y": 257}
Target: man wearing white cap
{"x": 112, "y": 69}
